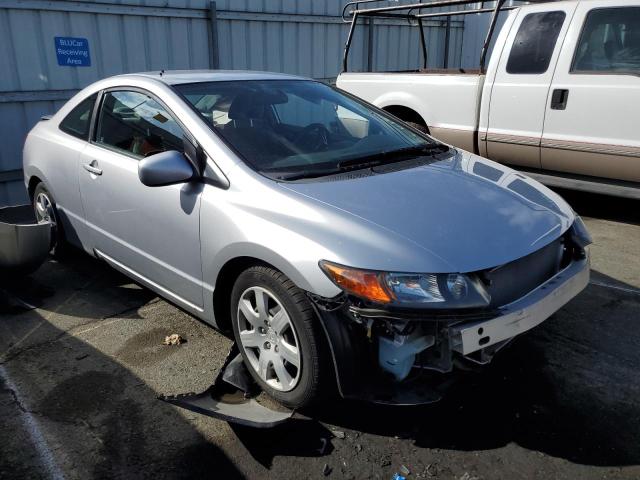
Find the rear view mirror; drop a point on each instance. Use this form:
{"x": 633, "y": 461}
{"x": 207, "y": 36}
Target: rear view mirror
{"x": 165, "y": 168}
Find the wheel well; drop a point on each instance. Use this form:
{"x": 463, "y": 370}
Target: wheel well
{"x": 33, "y": 182}
{"x": 224, "y": 284}
{"x": 406, "y": 115}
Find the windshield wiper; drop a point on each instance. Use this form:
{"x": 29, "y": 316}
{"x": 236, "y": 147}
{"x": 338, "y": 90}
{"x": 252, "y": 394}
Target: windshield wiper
{"x": 392, "y": 156}
{"x": 299, "y": 174}
{"x": 367, "y": 161}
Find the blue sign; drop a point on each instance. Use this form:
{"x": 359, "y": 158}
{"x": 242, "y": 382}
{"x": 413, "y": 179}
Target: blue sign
{"x": 73, "y": 52}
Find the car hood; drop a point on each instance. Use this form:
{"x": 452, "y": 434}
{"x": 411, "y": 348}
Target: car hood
{"x": 466, "y": 213}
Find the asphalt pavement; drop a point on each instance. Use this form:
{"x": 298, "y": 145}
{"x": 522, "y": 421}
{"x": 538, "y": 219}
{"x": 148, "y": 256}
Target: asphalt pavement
{"x": 81, "y": 373}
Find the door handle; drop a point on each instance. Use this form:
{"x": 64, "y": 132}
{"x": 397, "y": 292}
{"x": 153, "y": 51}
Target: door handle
{"x": 89, "y": 167}
{"x": 559, "y": 99}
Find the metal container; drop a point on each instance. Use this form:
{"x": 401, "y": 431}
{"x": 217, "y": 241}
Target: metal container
{"x": 24, "y": 243}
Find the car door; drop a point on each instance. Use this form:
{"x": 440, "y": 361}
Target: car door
{"x": 520, "y": 89}
{"x": 151, "y": 233}
{"x": 592, "y": 117}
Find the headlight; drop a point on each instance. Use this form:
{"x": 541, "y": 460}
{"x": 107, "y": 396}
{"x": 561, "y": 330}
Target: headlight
{"x": 425, "y": 290}
{"x": 413, "y": 288}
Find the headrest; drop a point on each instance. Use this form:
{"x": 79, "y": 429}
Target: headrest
{"x": 253, "y": 105}
{"x": 246, "y": 107}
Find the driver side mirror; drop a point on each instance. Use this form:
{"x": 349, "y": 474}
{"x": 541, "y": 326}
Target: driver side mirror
{"x": 165, "y": 168}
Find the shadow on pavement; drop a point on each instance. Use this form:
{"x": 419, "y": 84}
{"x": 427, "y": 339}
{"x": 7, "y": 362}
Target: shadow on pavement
{"x": 84, "y": 276}
{"x": 99, "y": 419}
{"x": 568, "y": 389}
{"x": 295, "y": 438}
{"x": 605, "y": 207}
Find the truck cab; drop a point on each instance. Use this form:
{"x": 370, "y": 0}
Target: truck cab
{"x": 558, "y": 98}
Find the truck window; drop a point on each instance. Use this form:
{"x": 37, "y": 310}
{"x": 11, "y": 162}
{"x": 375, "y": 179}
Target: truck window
{"x": 534, "y": 43}
{"x": 609, "y": 42}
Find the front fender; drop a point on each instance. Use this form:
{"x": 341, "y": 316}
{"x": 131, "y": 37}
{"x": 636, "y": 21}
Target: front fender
{"x": 306, "y": 275}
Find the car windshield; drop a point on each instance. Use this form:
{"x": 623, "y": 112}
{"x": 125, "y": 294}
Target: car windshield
{"x": 289, "y": 129}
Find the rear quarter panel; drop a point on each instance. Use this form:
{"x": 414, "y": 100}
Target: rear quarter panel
{"x": 52, "y": 156}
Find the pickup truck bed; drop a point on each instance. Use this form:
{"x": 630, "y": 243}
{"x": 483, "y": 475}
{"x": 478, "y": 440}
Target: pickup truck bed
{"x": 430, "y": 95}
{"x": 559, "y": 95}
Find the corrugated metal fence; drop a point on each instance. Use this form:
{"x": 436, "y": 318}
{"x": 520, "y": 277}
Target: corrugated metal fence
{"x": 294, "y": 36}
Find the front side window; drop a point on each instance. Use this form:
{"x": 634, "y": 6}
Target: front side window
{"x": 284, "y": 127}
{"x": 77, "y": 122}
{"x": 534, "y": 43}
{"x": 609, "y": 42}
{"x": 136, "y": 124}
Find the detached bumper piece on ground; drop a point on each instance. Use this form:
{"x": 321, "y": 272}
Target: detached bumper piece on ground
{"x": 234, "y": 397}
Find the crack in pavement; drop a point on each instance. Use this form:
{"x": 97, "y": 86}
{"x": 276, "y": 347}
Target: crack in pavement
{"x": 32, "y": 428}
{"x": 615, "y": 287}
{"x": 16, "y": 400}
{"x": 13, "y": 353}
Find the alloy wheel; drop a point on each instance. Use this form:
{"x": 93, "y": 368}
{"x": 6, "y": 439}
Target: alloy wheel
{"x": 269, "y": 339}
{"x": 44, "y": 209}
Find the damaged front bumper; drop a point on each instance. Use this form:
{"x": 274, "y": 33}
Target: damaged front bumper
{"x": 410, "y": 357}
{"x": 523, "y": 314}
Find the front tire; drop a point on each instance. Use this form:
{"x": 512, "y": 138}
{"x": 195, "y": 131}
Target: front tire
{"x": 278, "y": 336}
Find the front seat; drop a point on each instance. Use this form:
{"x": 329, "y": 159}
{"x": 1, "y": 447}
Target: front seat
{"x": 251, "y": 128}
{"x": 246, "y": 112}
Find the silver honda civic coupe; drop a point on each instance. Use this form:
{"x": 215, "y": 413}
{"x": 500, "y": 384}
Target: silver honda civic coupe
{"x": 340, "y": 247}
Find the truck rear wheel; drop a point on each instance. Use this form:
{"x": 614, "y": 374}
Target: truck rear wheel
{"x": 418, "y": 126}
{"x": 408, "y": 116}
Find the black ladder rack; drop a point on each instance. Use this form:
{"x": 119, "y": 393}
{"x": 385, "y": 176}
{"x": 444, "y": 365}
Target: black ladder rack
{"x": 353, "y": 11}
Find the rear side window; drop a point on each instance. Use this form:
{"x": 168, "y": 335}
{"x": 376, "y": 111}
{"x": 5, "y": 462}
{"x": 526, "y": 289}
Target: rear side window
{"x": 77, "y": 122}
{"x": 609, "y": 42}
{"x": 534, "y": 43}
{"x": 137, "y": 124}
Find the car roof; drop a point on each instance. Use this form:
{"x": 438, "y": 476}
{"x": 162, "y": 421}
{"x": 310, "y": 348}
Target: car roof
{"x": 176, "y": 77}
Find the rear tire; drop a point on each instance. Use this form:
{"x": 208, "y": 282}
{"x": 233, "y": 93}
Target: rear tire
{"x": 45, "y": 209}
{"x": 274, "y": 337}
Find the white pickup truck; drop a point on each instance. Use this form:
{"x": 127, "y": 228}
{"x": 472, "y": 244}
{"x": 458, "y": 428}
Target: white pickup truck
{"x": 559, "y": 98}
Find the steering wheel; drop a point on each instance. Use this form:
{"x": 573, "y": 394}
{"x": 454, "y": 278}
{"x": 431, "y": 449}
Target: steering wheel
{"x": 315, "y": 136}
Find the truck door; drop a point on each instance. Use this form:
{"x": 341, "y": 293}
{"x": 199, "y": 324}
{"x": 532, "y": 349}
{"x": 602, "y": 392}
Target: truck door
{"x": 521, "y": 86}
{"x": 592, "y": 117}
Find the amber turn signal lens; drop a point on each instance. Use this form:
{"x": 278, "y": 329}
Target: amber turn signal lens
{"x": 361, "y": 283}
